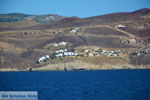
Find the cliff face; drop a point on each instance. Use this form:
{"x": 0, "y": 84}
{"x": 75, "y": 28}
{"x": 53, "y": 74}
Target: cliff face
{"x": 112, "y": 41}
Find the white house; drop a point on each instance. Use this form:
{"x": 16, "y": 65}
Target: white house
{"x": 120, "y": 26}
{"x": 56, "y": 45}
{"x": 104, "y": 51}
{"x": 47, "y": 57}
{"x": 62, "y": 43}
{"x": 59, "y": 55}
{"x": 73, "y": 31}
{"x": 66, "y": 54}
{"x": 132, "y": 41}
{"x": 59, "y": 51}
{"x": 112, "y": 51}
{"x": 65, "y": 50}
{"x": 71, "y": 54}
{"x": 114, "y": 55}
{"x": 75, "y": 54}
{"x": 43, "y": 57}
{"x": 40, "y": 60}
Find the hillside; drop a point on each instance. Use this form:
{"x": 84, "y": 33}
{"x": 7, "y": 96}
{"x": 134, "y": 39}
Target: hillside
{"x": 137, "y": 22}
{"x": 18, "y": 24}
{"x": 111, "y": 41}
{"x": 14, "y": 17}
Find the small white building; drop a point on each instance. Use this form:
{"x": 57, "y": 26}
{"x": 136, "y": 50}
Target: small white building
{"x": 65, "y": 50}
{"x": 63, "y": 43}
{"x": 47, "y": 57}
{"x": 120, "y": 26}
{"x": 132, "y": 41}
{"x": 104, "y": 51}
{"x": 91, "y": 55}
{"x": 112, "y": 51}
{"x": 59, "y": 51}
{"x": 59, "y": 55}
{"x": 75, "y": 54}
{"x": 64, "y": 53}
{"x": 40, "y": 60}
{"x": 70, "y": 53}
{"x": 114, "y": 55}
{"x": 73, "y": 31}
{"x": 55, "y": 45}
{"x": 44, "y": 58}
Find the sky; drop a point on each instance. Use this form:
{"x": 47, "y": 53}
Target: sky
{"x": 69, "y": 8}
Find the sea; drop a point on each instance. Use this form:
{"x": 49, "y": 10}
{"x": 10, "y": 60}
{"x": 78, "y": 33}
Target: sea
{"x": 80, "y": 85}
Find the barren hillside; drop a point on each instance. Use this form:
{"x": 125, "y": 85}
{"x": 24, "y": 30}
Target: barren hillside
{"x": 112, "y": 41}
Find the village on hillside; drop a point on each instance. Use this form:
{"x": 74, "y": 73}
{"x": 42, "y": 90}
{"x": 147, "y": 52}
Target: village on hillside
{"x": 64, "y": 49}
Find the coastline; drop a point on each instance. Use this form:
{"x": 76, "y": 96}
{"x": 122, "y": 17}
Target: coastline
{"x": 46, "y": 69}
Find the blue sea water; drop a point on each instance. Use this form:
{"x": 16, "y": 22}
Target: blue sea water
{"x": 81, "y": 85}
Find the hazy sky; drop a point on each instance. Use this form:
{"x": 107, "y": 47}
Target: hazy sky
{"x": 80, "y": 8}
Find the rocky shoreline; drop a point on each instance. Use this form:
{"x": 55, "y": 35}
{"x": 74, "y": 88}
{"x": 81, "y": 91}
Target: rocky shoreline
{"x": 84, "y": 67}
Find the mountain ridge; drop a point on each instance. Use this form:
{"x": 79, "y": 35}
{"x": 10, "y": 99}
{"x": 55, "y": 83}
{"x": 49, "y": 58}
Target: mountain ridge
{"x": 14, "y": 17}
{"x": 24, "y": 16}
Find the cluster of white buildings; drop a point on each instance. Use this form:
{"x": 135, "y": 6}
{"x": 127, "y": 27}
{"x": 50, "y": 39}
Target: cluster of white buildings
{"x": 110, "y": 53}
{"x": 58, "y": 54}
{"x": 101, "y": 52}
{"x": 59, "y": 44}
{"x": 64, "y": 53}
{"x": 71, "y": 30}
{"x": 44, "y": 58}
